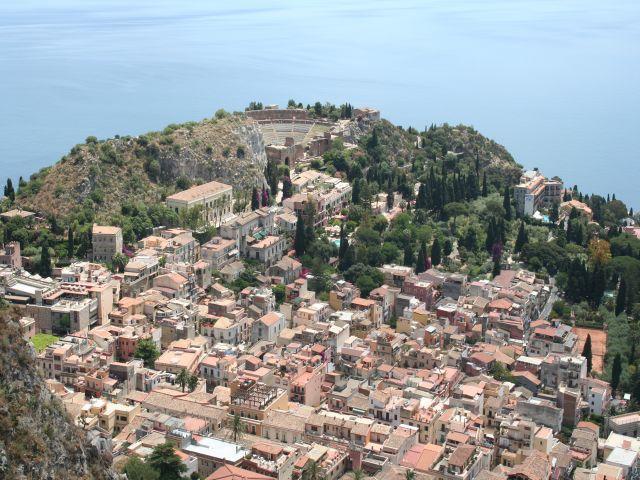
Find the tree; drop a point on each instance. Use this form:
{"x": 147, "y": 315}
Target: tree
{"x": 265, "y": 198}
{"x": 164, "y": 460}
{"x": 9, "y": 192}
{"x": 616, "y": 371}
{"x": 497, "y": 268}
{"x": 554, "y": 214}
{"x": 44, "y": 265}
{"x": 300, "y": 239}
{"x": 621, "y": 299}
{"x": 182, "y": 378}
{"x": 136, "y": 469}
{"x": 436, "y": 252}
{"x": 506, "y": 203}
{"x": 70, "y": 243}
{"x": 409, "y": 257}
{"x": 192, "y": 382}
{"x": 484, "y": 184}
{"x": 448, "y": 247}
{"x": 311, "y": 470}
{"x": 522, "y": 239}
{"x": 287, "y": 187}
{"x": 119, "y": 261}
{"x": 358, "y": 475}
{"x": 390, "y": 200}
{"x": 147, "y": 351}
{"x": 421, "y": 262}
{"x": 237, "y": 427}
{"x": 409, "y": 475}
{"x": 344, "y": 242}
{"x": 586, "y": 353}
{"x": 255, "y": 199}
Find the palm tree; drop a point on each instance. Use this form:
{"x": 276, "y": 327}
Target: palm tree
{"x": 237, "y": 427}
{"x": 311, "y": 472}
{"x": 409, "y": 475}
{"x": 358, "y": 475}
{"x": 183, "y": 378}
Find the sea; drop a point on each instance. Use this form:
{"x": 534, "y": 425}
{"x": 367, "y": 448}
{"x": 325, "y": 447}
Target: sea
{"x": 557, "y": 82}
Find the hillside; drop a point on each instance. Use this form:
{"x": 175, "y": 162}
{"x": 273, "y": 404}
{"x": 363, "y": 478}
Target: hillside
{"x": 146, "y": 168}
{"x": 460, "y": 146}
{"x": 37, "y": 440}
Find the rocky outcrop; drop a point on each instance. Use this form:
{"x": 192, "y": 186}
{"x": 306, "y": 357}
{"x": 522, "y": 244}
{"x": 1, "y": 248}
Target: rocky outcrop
{"x": 37, "y": 439}
{"x": 146, "y": 168}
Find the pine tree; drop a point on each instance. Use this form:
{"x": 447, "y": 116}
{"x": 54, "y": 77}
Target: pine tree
{"x": 166, "y": 462}
{"x": 621, "y": 299}
{"x": 485, "y": 191}
{"x": 522, "y": 239}
{"x": 506, "y": 203}
{"x": 70, "y": 243}
{"x": 586, "y": 353}
{"x": 299, "y": 243}
{"x": 436, "y": 252}
{"x": 616, "y": 371}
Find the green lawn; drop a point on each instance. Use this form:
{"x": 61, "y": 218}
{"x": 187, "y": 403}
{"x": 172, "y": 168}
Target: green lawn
{"x": 43, "y": 340}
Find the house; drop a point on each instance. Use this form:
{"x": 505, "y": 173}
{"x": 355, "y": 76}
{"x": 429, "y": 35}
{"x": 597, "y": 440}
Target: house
{"x": 267, "y": 251}
{"x": 286, "y": 269}
{"x": 106, "y": 242}
{"x": 10, "y": 255}
{"x": 268, "y": 327}
{"x": 229, "y": 472}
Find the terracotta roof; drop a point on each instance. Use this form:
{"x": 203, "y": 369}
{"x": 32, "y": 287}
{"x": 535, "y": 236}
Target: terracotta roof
{"x": 229, "y": 472}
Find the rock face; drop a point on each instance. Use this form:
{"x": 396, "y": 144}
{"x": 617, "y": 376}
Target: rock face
{"x": 37, "y": 439}
{"x": 145, "y": 168}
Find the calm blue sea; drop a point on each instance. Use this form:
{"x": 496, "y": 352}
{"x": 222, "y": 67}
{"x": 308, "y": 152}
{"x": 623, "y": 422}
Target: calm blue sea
{"x": 556, "y": 81}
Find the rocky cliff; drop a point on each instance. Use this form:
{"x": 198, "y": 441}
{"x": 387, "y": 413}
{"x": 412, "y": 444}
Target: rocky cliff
{"x": 37, "y": 440}
{"x": 146, "y": 168}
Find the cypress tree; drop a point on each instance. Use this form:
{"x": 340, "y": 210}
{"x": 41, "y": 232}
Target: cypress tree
{"x": 448, "y": 247}
{"x": 436, "y": 253}
{"x": 355, "y": 193}
{"x": 496, "y": 267}
{"x": 621, "y": 299}
{"x": 9, "y": 192}
{"x": 484, "y": 184}
{"x": 299, "y": 242}
{"x": 344, "y": 242}
{"x": 255, "y": 199}
{"x": 586, "y": 353}
{"x": 287, "y": 187}
{"x": 348, "y": 259}
{"x": 310, "y": 227}
{"x": 421, "y": 263}
{"x": 44, "y": 266}
{"x": 598, "y": 285}
{"x": 506, "y": 203}
{"x": 409, "y": 257}
{"x": 390, "y": 200}
{"x": 70, "y": 243}
{"x": 616, "y": 371}
{"x": 522, "y": 239}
